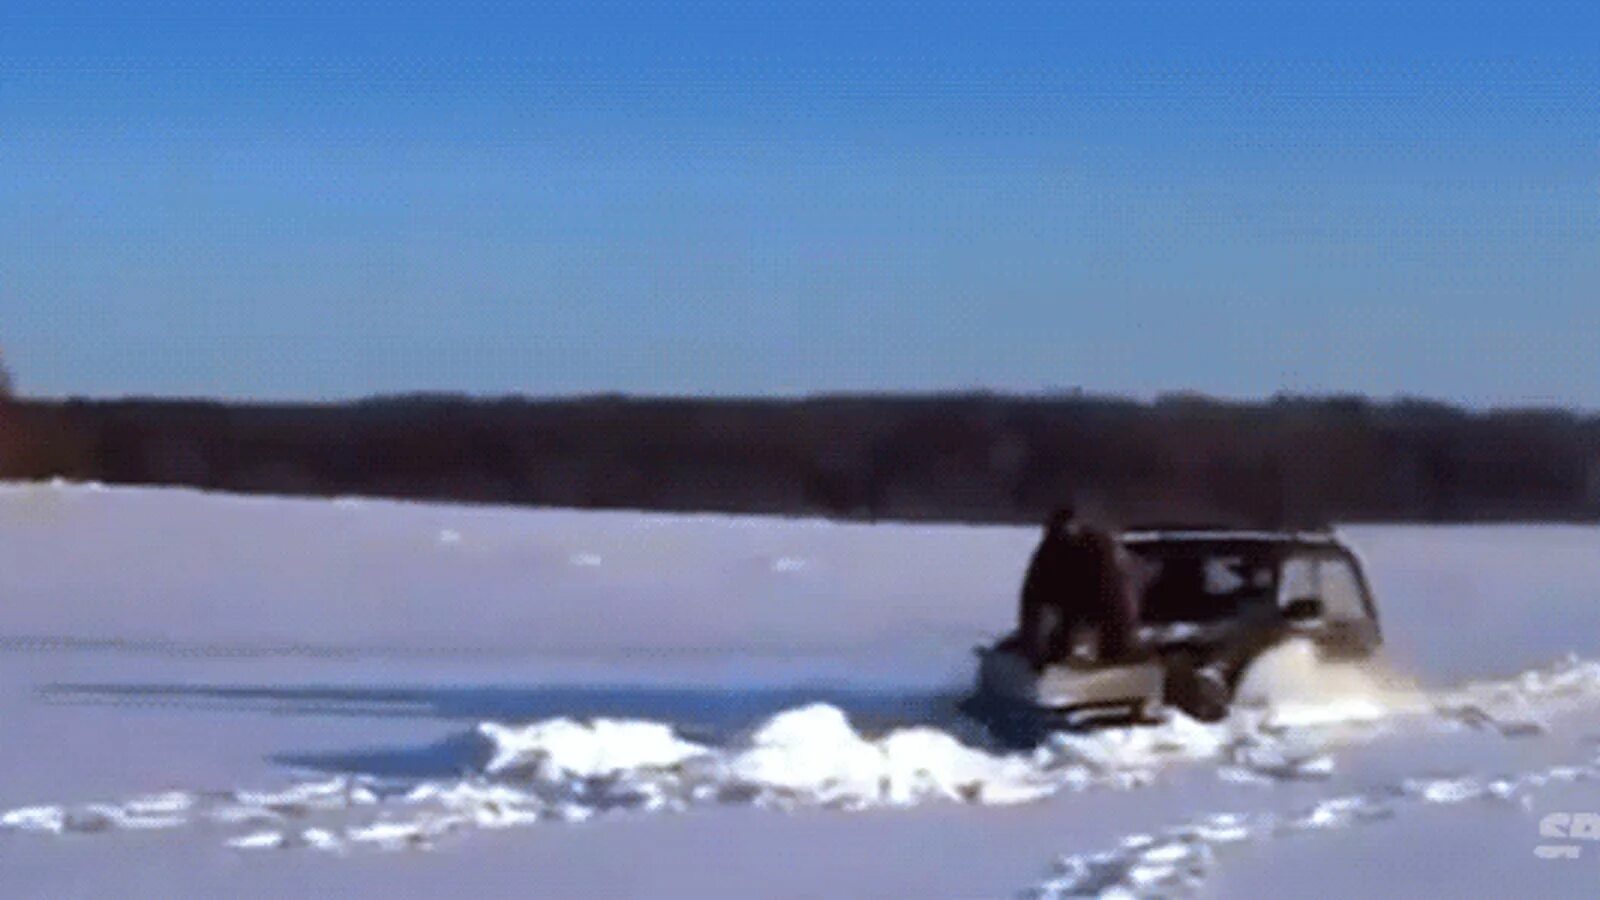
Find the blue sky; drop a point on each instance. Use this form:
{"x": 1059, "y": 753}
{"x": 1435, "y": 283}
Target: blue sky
{"x": 321, "y": 200}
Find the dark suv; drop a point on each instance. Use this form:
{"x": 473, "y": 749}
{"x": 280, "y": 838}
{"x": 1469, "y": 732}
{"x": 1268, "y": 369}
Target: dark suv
{"x": 1213, "y": 600}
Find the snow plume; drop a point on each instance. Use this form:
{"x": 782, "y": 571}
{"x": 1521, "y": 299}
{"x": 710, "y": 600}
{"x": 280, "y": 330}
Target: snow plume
{"x": 1295, "y": 687}
{"x": 1289, "y": 687}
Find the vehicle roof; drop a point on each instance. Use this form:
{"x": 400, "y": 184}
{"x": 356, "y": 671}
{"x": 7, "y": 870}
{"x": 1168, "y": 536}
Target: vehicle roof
{"x": 1242, "y": 538}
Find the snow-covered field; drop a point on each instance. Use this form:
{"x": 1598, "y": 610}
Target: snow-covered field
{"x": 234, "y": 697}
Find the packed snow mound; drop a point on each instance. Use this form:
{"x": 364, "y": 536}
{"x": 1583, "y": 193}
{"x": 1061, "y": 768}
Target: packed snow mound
{"x": 813, "y": 751}
{"x": 565, "y": 748}
{"x": 811, "y": 755}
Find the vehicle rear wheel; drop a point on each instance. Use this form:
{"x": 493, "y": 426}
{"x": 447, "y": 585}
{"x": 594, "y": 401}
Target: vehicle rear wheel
{"x": 1199, "y": 688}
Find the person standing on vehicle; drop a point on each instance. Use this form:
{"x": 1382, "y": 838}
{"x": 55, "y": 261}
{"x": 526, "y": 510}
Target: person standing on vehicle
{"x": 1076, "y": 581}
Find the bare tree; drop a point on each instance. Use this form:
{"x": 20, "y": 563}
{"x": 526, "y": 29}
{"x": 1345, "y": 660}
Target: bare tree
{"x": 5, "y": 377}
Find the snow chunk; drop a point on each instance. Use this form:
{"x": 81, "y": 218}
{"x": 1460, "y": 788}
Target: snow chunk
{"x": 813, "y": 751}
{"x": 564, "y": 748}
{"x": 1141, "y": 748}
{"x": 259, "y": 840}
{"x": 50, "y": 819}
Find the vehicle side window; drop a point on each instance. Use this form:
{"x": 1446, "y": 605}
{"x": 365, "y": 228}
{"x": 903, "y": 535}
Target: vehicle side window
{"x": 1341, "y": 592}
{"x": 1299, "y": 580}
{"x": 1332, "y": 579}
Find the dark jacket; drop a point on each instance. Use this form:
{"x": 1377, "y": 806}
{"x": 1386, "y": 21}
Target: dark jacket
{"x": 1076, "y": 579}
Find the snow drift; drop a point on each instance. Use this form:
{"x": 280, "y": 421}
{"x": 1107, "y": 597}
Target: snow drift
{"x": 1298, "y": 714}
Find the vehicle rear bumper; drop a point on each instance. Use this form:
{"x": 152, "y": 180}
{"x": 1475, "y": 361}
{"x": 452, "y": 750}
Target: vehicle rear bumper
{"x": 1068, "y": 690}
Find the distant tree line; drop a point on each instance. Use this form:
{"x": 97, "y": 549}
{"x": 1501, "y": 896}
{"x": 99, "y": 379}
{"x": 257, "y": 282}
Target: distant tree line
{"x": 983, "y": 458}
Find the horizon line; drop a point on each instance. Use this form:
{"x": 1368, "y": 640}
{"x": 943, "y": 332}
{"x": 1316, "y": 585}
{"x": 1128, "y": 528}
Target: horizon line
{"x": 1175, "y": 397}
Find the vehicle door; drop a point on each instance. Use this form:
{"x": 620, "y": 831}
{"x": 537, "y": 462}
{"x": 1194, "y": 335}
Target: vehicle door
{"x": 1324, "y": 595}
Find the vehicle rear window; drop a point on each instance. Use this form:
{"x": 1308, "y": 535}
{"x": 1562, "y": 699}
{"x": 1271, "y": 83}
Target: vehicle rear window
{"x": 1188, "y": 584}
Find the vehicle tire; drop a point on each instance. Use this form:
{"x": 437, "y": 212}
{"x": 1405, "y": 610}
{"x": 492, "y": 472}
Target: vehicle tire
{"x": 1199, "y": 689}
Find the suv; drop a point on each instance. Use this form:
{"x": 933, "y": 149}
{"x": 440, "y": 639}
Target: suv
{"x": 1212, "y": 601}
